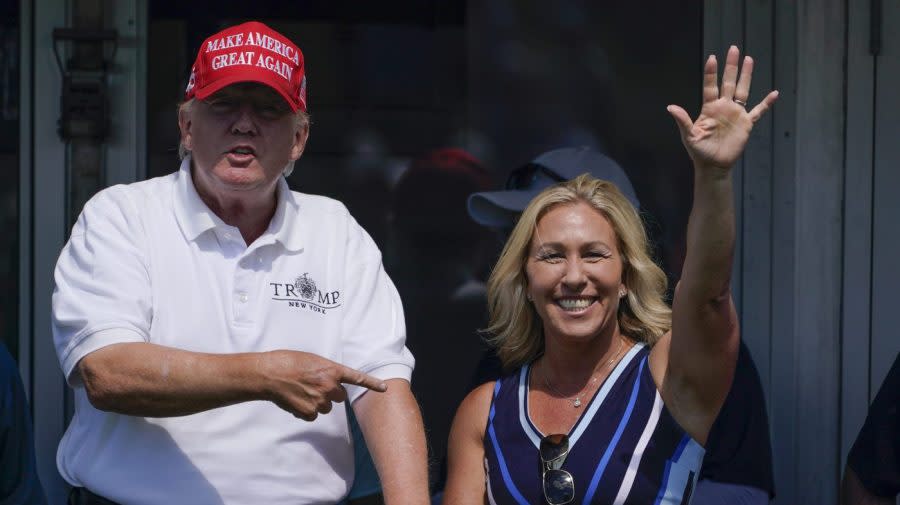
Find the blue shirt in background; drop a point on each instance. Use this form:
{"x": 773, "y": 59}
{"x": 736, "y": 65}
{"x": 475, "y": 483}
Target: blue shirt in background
{"x": 19, "y": 483}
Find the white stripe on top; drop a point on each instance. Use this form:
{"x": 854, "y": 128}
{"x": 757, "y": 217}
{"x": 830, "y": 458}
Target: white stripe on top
{"x": 592, "y": 408}
{"x": 631, "y": 472}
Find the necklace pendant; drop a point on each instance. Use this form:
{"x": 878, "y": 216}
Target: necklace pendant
{"x": 576, "y": 403}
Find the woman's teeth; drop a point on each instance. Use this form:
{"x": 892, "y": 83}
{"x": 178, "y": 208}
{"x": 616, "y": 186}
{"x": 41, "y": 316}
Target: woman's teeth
{"x": 574, "y": 303}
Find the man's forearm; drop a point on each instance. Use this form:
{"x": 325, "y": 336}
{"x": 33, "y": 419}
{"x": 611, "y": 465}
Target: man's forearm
{"x": 149, "y": 380}
{"x": 392, "y": 425}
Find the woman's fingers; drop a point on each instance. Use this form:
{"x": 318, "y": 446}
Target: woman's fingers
{"x": 682, "y": 119}
{"x": 742, "y": 92}
{"x": 710, "y": 80}
{"x": 729, "y": 76}
{"x": 763, "y": 106}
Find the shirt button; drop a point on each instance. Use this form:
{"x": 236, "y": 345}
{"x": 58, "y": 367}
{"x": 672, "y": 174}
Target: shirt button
{"x": 243, "y": 297}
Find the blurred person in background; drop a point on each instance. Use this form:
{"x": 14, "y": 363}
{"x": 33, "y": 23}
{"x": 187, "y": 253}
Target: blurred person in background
{"x": 872, "y": 474}
{"x": 19, "y": 483}
{"x": 437, "y": 256}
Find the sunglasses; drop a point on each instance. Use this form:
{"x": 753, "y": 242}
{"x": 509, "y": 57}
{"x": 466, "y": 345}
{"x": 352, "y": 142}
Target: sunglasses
{"x": 559, "y": 486}
{"x": 524, "y": 176}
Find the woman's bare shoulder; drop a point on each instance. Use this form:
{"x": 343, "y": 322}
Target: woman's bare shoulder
{"x": 473, "y": 412}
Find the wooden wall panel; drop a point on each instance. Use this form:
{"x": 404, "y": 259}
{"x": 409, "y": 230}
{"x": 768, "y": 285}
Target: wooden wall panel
{"x": 756, "y": 200}
{"x": 857, "y": 263}
{"x": 818, "y": 248}
{"x": 781, "y": 399}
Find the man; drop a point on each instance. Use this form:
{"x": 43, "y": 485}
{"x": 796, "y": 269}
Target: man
{"x": 737, "y": 468}
{"x": 872, "y": 474}
{"x": 212, "y": 322}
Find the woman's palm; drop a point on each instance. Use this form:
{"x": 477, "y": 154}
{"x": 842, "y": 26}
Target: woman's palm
{"x": 718, "y": 136}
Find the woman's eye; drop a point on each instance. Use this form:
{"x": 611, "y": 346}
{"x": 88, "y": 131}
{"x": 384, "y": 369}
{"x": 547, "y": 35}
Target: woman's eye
{"x": 550, "y": 257}
{"x": 596, "y": 255}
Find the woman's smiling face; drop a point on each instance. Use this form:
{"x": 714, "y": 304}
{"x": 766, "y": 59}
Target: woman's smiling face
{"x": 574, "y": 271}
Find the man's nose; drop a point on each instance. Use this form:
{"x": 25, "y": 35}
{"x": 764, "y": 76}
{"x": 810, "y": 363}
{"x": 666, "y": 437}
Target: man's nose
{"x": 244, "y": 121}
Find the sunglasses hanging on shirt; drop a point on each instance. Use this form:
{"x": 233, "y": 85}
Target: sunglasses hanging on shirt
{"x": 558, "y": 484}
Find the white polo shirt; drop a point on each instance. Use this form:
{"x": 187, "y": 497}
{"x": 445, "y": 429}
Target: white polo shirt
{"x": 149, "y": 262}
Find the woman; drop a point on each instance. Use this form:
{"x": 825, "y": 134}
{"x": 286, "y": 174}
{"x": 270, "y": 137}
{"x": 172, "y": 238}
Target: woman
{"x": 612, "y": 394}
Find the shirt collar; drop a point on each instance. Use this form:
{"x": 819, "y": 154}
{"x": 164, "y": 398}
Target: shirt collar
{"x": 192, "y": 214}
{"x": 195, "y": 217}
{"x": 284, "y": 227}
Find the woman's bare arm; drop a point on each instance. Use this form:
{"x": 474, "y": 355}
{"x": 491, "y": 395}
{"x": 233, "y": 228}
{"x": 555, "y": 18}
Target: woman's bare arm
{"x": 694, "y": 364}
{"x": 465, "y": 458}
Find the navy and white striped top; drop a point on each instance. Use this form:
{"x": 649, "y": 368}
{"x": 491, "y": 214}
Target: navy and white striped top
{"x": 624, "y": 449}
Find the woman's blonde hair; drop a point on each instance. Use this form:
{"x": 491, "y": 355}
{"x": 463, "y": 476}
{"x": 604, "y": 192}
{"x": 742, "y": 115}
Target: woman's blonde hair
{"x": 516, "y": 330}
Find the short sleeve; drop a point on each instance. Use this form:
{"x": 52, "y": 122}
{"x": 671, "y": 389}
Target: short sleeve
{"x": 875, "y": 455}
{"x": 102, "y": 294}
{"x": 373, "y": 328}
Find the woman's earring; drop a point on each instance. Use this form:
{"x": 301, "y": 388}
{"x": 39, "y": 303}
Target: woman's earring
{"x": 622, "y": 293}
{"x": 528, "y": 296}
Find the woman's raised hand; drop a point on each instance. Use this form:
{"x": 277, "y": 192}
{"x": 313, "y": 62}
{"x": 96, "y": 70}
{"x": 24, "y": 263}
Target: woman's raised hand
{"x": 716, "y": 139}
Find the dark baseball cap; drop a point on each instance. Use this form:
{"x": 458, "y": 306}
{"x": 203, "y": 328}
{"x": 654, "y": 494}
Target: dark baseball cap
{"x": 501, "y": 209}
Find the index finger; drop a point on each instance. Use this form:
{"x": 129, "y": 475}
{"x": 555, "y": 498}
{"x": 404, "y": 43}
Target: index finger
{"x": 357, "y": 378}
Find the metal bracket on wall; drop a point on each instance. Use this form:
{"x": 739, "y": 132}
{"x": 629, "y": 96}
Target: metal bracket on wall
{"x": 84, "y": 111}
{"x": 85, "y": 101}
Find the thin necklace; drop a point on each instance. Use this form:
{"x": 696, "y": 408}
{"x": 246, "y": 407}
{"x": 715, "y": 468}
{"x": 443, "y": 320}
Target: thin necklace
{"x": 576, "y": 400}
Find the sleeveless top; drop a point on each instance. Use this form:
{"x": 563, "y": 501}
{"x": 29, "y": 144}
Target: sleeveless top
{"x": 624, "y": 449}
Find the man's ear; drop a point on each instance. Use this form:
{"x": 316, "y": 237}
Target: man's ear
{"x": 184, "y": 126}
{"x": 300, "y": 138}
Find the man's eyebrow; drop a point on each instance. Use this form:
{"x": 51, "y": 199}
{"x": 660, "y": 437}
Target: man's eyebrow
{"x": 221, "y": 95}
{"x": 264, "y": 100}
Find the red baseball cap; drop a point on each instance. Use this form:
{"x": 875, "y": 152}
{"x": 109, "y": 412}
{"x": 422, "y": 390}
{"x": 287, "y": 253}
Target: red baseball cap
{"x": 249, "y": 52}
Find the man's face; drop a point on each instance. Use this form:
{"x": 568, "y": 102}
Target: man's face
{"x": 241, "y": 138}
